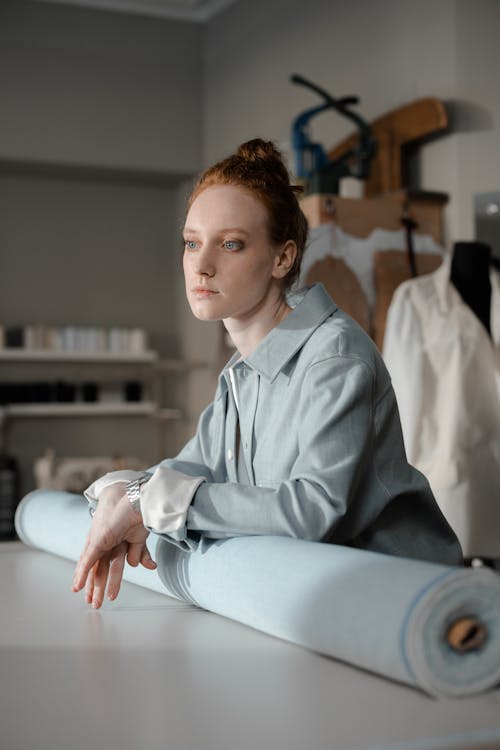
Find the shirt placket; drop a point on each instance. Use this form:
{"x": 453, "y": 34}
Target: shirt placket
{"x": 248, "y": 394}
{"x": 231, "y": 423}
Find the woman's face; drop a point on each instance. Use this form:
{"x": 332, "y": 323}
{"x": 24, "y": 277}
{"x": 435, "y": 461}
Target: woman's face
{"x": 231, "y": 268}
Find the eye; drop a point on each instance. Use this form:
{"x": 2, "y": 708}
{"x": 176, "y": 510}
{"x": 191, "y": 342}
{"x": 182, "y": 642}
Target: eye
{"x": 233, "y": 245}
{"x": 190, "y": 244}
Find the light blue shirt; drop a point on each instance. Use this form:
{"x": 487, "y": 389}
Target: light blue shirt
{"x": 321, "y": 444}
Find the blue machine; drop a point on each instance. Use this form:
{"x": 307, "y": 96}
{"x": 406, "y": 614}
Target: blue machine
{"x": 312, "y": 164}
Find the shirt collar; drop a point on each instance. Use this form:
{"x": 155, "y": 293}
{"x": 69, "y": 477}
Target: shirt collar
{"x": 449, "y": 297}
{"x": 444, "y": 289}
{"x": 310, "y": 307}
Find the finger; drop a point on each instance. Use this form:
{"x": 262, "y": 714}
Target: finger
{"x": 78, "y": 568}
{"x": 93, "y": 552}
{"x": 82, "y": 568}
{"x": 134, "y": 553}
{"x": 146, "y": 559}
{"x": 116, "y": 567}
{"x": 85, "y": 564}
{"x": 101, "y": 578}
{"x": 89, "y": 586}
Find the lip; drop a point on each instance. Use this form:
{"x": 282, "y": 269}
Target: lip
{"x": 203, "y": 292}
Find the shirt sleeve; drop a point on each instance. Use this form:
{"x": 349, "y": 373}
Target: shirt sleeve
{"x": 166, "y": 496}
{"x": 336, "y": 419}
{"x": 200, "y": 457}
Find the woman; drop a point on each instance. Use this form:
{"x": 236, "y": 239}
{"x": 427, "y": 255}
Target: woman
{"x": 303, "y": 437}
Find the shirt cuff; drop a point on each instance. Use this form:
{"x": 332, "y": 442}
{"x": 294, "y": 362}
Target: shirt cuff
{"x": 165, "y": 500}
{"x": 94, "y": 490}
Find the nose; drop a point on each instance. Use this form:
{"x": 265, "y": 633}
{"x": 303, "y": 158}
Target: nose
{"x": 204, "y": 261}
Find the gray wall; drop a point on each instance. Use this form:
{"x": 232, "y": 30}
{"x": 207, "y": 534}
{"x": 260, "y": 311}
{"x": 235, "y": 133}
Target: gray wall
{"x": 478, "y": 108}
{"x": 99, "y": 88}
{"x": 86, "y": 252}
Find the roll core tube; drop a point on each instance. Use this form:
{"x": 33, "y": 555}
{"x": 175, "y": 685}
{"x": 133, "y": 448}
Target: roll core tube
{"x": 466, "y": 634}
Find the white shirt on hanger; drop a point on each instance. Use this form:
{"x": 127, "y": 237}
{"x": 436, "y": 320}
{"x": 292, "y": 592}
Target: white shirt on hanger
{"x": 445, "y": 370}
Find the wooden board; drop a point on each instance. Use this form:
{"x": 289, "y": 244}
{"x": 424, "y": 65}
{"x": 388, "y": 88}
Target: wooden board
{"x": 361, "y": 216}
{"x": 393, "y": 132}
{"x": 344, "y": 287}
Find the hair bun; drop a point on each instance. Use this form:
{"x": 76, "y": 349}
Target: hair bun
{"x": 258, "y": 150}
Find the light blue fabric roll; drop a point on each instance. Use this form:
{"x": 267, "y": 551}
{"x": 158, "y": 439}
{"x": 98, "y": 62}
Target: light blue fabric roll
{"x": 385, "y": 614}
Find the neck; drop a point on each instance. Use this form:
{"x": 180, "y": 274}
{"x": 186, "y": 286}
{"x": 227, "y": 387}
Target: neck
{"x": 247, "y": 334}
{"x": 470, "y": 259}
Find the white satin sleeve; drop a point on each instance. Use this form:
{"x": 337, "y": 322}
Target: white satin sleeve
{"x": 124, "y": 475}
{"x": 165, "y": 499}
{"x": 112, "y": 477}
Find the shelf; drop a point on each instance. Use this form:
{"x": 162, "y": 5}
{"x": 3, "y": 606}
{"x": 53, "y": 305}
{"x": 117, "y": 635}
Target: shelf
{"x": 46, "y": 355}
{"x": 144, "y": 409}
{"x": 15, "y": 354}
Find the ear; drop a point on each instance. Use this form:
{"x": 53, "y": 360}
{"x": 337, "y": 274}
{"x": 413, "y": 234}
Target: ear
{"x": 284, "y": 259}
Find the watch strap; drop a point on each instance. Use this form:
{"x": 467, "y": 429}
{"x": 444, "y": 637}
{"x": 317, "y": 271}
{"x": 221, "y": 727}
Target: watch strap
{"x": 133, "y": 491}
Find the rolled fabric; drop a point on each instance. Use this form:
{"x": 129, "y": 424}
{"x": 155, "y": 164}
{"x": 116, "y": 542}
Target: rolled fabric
{"x": 431, "y": 626}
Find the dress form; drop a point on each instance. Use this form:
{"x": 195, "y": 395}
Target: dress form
{"x": 470, "y": 269}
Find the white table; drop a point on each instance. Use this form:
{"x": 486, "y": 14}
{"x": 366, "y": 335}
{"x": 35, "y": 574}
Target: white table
{"x": 149, "y": 672}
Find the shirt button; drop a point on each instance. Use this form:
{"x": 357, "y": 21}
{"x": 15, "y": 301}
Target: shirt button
{"x": 230, "y": 455}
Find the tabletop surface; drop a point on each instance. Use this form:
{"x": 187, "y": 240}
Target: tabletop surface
{"x": 148, "y": 671}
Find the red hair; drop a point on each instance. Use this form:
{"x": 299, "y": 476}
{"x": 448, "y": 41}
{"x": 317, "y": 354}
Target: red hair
{"x": 257, "y": 166}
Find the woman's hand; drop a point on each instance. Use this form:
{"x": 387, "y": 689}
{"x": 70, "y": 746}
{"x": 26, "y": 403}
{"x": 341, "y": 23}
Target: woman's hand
{"x": 117, "y": 534}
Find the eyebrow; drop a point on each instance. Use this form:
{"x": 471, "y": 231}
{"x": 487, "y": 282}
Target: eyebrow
{"x": 189, "y": 230}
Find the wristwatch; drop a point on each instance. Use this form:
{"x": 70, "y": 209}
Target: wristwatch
{"x": 133, "y": 490}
